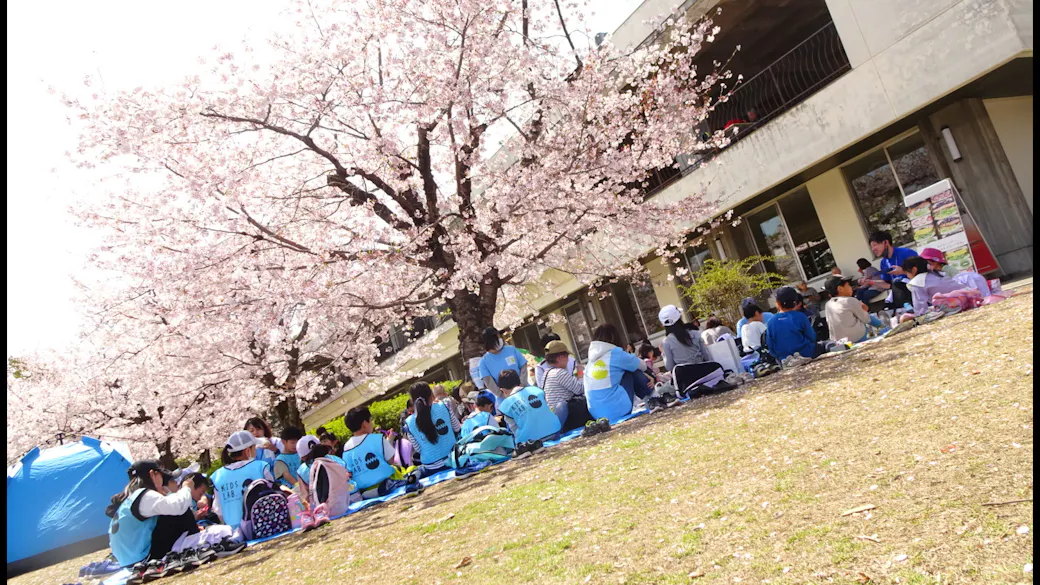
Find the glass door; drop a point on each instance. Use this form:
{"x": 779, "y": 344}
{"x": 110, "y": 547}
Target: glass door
{"x": 770, "y": 234}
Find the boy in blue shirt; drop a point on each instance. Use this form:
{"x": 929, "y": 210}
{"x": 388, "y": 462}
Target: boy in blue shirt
{"x": 498, "y": 358}
{"x": 791, "y": 332}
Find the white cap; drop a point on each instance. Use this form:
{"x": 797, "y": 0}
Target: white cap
{"x": 240, "y": 441}
{"x": 669, "y": 315}
{"x": 305, "y": 444}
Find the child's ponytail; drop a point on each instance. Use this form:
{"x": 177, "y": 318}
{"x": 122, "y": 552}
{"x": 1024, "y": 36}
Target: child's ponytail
{"x": 421, "y": 397}
{"x": 225, "y": 456}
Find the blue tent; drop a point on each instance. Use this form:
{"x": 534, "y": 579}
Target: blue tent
{"x": 57, "y": 497}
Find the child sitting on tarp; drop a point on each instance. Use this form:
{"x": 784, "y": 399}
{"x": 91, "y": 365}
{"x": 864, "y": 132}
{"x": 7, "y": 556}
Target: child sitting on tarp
{"x": 240, "y": 466}
{"x": 527, "y": 412}
{"x": 432, "y": 430}
{"x": 925, "y": 284}
{"x": 481, "y": 417}
{"x": 288, "y": 460}
{"x": 325, "y": 484}
{"x": 368, "y": 456}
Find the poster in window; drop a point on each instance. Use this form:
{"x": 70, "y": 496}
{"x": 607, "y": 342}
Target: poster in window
{"x": 937, "y": 223}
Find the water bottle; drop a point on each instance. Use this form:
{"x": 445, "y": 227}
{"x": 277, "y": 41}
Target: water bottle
{"x": 296, "y": 508}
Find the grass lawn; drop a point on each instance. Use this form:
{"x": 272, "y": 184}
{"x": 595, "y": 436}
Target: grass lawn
{"x": 746, "y": 487}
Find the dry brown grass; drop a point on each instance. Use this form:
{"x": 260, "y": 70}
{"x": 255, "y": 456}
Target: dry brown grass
{"x": 745, "y": 487}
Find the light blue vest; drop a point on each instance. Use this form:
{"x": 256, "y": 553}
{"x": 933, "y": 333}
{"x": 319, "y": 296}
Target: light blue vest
{"x": 530, "y": 411}
{"x": 477, "y": 419}
{"x": 229, "y": 483}
{"x": 434, "y": 452}
{"x": 366, "y": 462}
{"x": 130, "y": 537}
{"x": 292, "y": 462}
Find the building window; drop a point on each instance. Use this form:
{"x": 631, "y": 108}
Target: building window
{"x": 790, "y": 231}
{"x": 884, "y": 177}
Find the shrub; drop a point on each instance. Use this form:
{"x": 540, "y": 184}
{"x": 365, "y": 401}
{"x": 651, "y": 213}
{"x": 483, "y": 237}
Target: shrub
{"x": 386, "y": 414}
{"x": 718, "y": 287}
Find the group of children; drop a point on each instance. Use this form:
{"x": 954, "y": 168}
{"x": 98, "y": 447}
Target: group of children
{"x": 916, "y": 285}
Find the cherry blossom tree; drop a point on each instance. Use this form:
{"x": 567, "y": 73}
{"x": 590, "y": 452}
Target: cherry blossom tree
{"x": 269, "y": 219}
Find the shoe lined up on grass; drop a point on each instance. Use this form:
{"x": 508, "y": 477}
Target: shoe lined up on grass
{"x": 228, "y": 547}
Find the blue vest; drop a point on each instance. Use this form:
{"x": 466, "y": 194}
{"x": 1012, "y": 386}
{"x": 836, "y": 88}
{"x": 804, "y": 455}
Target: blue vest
{"x": 477, "y": 419}
{"x": 366, "y": 462}
{"x": 292, "y": 462}
{"x": 434, "y": 452}
{"x": 229, "y": 483}
{"x": 129, "y": 536}
{"x": 530, "y": 411}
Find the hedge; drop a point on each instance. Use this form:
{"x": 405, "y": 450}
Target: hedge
{"x": 386, "y": 414}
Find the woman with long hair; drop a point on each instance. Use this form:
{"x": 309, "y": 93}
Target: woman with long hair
{"x": 432, "y": 430}
{"x": 686, "y": 357}
{"x": 268, "y": 446}
{"x": 613, "y": 377}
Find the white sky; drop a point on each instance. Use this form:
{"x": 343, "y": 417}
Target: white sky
{"x": 129, "y": 43}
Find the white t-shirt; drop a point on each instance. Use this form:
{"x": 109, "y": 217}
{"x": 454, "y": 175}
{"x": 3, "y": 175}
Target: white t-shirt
{"x": 752, "y": 335}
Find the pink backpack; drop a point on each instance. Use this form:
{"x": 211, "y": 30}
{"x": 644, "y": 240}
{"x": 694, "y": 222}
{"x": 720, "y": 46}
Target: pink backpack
{"x": 963, "y": 299}
{"x": 329, "y": 484}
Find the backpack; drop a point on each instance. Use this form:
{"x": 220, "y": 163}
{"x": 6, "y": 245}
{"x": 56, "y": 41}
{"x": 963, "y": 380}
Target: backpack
{"x": 266, "y": 510}
{"x": 486, "y": 443}
{"x": 329, "y": 484}
{"x": 820, "y": 328}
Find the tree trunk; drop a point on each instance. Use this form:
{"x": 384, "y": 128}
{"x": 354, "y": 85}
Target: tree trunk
{"x": 472, "y": 312}
{"x": 166, "y": 458}
{"x": 286, "y": 414}
{"x": 205, "y": 460}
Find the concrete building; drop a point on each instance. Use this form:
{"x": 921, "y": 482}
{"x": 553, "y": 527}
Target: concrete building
{"x": 840, "y": 115}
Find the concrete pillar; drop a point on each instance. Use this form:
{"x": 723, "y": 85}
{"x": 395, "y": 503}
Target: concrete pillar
{"x": 852, "y": 39}
{"x": 664, "y": 289}
{"x": 561, "y": 330}
{"x": 840, "y": 220}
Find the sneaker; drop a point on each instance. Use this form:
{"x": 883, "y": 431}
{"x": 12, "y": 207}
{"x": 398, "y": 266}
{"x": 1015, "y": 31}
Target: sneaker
{"x": 522, "y": 451}
{"x": 536, "y": 446}
{"x": 173, "y": 563}
{"x": 670, "y": 400}
{"x": 414, "y": 489}
{"x": 228, "y": 547}
{"x": 321, "y": 515}
{"x": 137, "y": 573}
{"x": 190, "y": 560}
{"x": 603, "y": 424}
{"x": 307, "y": 521}
{"x": 205, "y": 554}
{"x": 653, "y": 405}
{"x": 156, "y": 570}
{"x": 591, "y": 428}
{"x": 929, "y": 317}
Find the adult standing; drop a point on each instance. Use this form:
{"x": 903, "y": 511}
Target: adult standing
{"x": 497, "y": 358}
{"x": 686, "y": 357}
{"x": 892, "y": 275}
{"x": 564, "y": 389}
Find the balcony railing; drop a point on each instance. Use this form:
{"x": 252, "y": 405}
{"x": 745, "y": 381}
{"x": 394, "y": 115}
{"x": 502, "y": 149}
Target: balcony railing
{"x": 786, "y": 82}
